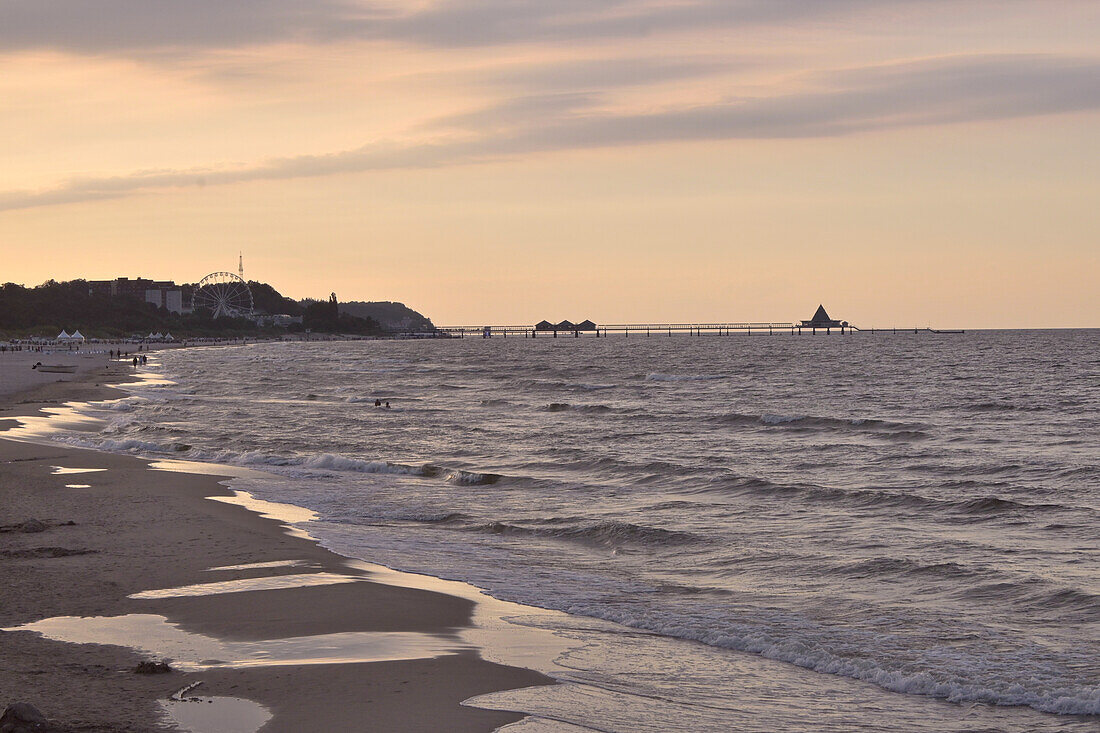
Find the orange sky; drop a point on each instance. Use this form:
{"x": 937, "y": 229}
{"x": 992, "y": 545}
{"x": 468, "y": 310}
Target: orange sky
{"x": 488, "y": 161}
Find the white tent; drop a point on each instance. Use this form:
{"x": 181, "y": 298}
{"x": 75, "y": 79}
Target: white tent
{"x": 63, "y": 336}
{"x": 168, "y": 337}
{"x": 151, "y": 336}
{"x": 77, "y": 336}
{"x": 158, "y": 336}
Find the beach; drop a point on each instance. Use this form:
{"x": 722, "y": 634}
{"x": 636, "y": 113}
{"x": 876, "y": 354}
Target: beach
{"x": 124, "y": 528}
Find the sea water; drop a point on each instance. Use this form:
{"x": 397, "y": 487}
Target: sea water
{"x": 888, "y": 531}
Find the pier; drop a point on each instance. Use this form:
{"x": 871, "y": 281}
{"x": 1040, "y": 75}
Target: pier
{"x": 663, "y": 329}
{"x": 820, "y": 323}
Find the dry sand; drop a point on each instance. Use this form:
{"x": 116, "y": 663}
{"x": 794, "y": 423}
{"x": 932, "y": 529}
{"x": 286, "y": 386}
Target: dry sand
{"x": 134, "y": 529}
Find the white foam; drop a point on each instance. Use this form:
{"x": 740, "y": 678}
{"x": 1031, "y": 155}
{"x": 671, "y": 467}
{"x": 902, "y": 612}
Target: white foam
{"x": 953, "y": 681}
{"x": 335, "y": 462}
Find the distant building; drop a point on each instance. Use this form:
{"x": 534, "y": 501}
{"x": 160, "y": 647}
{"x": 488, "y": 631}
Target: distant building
{"x": 173, "y": 300}
{"x": 161, "y": 293}
{"x": 565, "y": 326}
{"x": 169, "y": 297}
{"x": 278, "y": 319}
{"x": 821, "y": 320}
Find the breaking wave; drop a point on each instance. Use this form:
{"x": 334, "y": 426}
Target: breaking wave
{"x": 256, "y": 459}
{"x": 127, "y": 404}
{"x": 863, "y": 425}
{"x": 978, "y": 507}
{"x": 607, "y": 534}
{"x": 970, "y": 680}
{"x": 887, "y": 566}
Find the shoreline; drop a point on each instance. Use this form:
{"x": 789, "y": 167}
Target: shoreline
{"x": 138, "y": 528}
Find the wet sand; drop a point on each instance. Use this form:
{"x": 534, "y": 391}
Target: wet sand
{"x": 134, "y": 529}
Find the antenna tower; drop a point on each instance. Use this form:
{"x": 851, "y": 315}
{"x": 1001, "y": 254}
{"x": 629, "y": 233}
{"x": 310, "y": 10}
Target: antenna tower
{"x": 240, "y": 265}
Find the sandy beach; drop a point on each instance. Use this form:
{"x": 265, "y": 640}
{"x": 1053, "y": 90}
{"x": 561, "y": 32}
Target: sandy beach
{"x": 85, "y": 544}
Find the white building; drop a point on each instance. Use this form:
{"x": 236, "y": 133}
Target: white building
{"x": 171, "y": 299}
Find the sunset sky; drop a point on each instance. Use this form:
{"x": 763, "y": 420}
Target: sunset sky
{"x": 904, "y": 162}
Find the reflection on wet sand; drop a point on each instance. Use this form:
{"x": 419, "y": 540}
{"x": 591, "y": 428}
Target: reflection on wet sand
{"x": 157, "y": 638}
{"x": 63, "y": 470}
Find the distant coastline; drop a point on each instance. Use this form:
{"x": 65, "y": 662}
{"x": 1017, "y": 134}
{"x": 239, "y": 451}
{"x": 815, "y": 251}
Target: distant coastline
{"x": 125, "y": 309}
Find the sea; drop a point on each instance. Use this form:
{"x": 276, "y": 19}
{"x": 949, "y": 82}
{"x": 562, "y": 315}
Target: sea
{"x": 891, "y": 531}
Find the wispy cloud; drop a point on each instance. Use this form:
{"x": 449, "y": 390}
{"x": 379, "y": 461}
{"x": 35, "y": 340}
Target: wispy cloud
{"x": 135, "y": 26}
{"x": 596, "y": 74}
{"x": 125, "y": 26}
{"x": 842, "y": 102}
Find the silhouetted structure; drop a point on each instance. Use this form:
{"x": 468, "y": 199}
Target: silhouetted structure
{"x": 564, "y": 327}
{"x": 586, "y": 325}
{"x": 161, "y": 293}
{"x": 821, "y": 320}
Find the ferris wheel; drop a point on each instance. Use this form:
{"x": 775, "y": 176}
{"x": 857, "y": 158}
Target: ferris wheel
{"x": 224, "y": 295}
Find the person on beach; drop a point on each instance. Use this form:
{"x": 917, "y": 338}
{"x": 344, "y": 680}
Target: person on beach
{"x": 135, "y": 362}
{"x": 378, "y": 403}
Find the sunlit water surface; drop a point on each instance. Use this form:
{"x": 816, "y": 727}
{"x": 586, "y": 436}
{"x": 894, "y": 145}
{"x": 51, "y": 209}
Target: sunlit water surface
{"x": 867, "y": 531}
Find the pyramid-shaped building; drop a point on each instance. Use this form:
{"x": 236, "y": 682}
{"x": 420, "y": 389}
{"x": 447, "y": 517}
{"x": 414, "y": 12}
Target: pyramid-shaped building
{"x": 821, "y": 320}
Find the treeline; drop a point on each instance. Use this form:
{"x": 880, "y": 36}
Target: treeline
{"x": 325, "y": 316}
{"x": 393, "y": 316}
{"x": 48, "y": 308}
{"x": 267, "y": 299}
{"x": 52, "y": 306}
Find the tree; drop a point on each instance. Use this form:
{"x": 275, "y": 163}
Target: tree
{"x": 268, "y": 300}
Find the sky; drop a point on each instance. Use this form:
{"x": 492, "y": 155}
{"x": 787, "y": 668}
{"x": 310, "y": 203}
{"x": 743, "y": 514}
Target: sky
{"x": 903, "y": 162}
